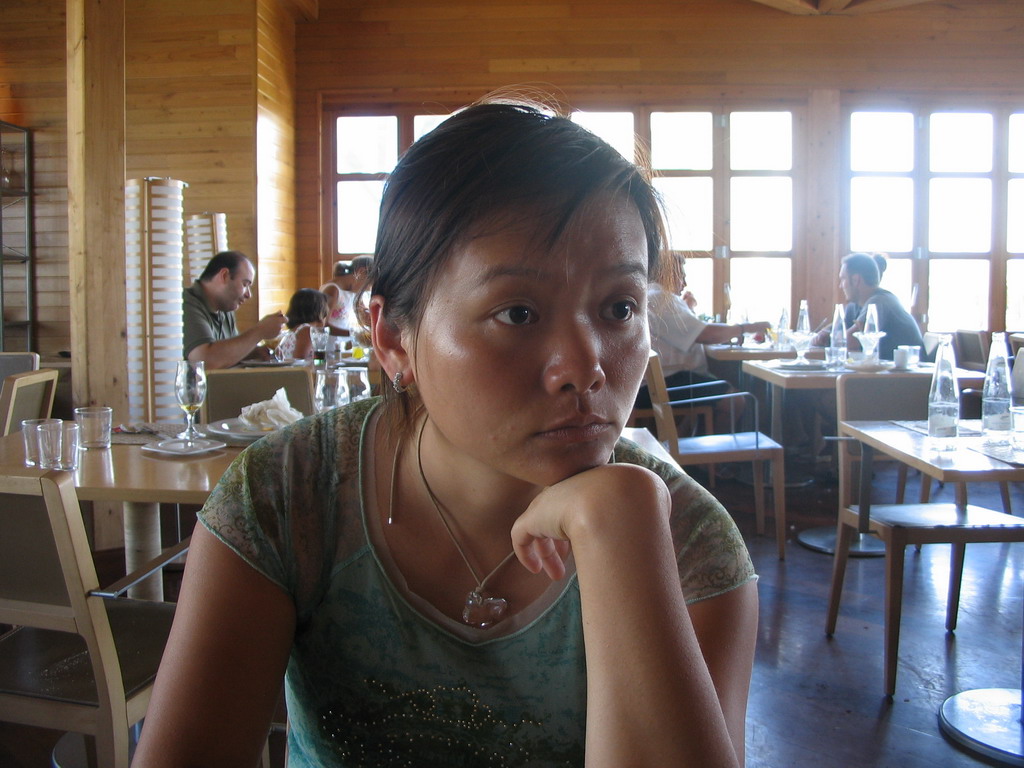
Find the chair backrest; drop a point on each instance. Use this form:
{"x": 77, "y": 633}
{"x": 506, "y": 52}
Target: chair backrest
{"x": 231, "y": 389}
{"x": 26, "y": 396}
{"x": 972, "y": 349}
{"x": 17, "y": 362}
{"x": 48, "y": 676}
{"x": 46, "y": 573}
{"x": 1017, "y": 381}
{"x": 862, "y": 396}
{"x": 664, "y": 418}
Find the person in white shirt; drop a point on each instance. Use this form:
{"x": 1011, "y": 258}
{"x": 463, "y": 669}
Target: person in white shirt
{"x": 679, "y": 336}
{"x": 347, "y": 280}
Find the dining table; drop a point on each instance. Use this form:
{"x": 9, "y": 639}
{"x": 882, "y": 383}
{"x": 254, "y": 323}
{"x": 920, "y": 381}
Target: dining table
{"x": 986, "y": 720}
{"x": 140, "y": 480}
{"x": 783, "y": 377}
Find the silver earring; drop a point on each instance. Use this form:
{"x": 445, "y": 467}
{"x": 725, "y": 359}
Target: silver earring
{"x": 396, "y": 382}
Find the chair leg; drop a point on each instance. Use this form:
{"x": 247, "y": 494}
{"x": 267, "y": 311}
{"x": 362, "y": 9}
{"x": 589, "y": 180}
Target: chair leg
{"x": 1004, "y": 491}
{"x": 779, "y": 497}
{"x": 844, "y": 535}
{"x": 956, "y": 572}
{"x": 901, "y": 482}
{"x": 895, "y": 552}
{"x": 926, "y": 489}
{"x": 759, "y": 496}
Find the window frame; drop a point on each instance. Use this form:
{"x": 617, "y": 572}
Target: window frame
{"x": 921, "y": 255}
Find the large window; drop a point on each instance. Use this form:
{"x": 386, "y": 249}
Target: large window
{"x": 941, "y": 193}
{"x": 726, "y": 175}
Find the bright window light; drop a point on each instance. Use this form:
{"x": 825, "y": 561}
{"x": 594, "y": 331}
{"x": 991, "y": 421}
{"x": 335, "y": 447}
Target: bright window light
{"x": 761, "y": 141}
{"x": 761, "y": 213}
{"x": 681, "y": 141}
{"x": 882, "y": 141}
{"x": 358, "y": 209}
{"x": 614, "y": 127}
{"x": 367, "y": 144}
{"x": 688, "y": 212}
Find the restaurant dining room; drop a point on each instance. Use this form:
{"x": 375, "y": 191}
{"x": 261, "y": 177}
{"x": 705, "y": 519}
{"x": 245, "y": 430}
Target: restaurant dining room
{"x": 744, "y": 280}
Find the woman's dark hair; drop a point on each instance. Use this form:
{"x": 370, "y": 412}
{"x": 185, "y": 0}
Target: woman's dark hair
{"x": 306, "y": 306}
{"x": 490, "y": 165}
{"x": 870, "y": 266}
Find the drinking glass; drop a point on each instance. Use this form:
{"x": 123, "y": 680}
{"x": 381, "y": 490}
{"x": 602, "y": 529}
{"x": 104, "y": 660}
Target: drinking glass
{"x": 801, "y": 341}
{"x": 869, "y": 343}
{"x": 190, "y": 389}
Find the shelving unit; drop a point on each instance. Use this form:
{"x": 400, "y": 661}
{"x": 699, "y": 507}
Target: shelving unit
{"x": 16, "y": 302}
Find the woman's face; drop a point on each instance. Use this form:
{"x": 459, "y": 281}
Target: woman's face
{"x": 528, "y": 359}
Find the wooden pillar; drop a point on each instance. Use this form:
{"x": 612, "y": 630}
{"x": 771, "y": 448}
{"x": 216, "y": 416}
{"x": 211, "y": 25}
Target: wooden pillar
{"x": 822, "y": 210}
{"x": 96, "y": 217}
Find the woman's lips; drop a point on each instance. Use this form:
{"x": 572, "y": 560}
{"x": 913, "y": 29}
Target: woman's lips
{"x": 577, "y": 432}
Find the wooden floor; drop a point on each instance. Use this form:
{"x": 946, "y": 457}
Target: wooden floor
{"x": 817, "y": 701}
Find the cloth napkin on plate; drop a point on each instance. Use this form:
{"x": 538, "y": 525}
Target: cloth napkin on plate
{"x": 270, "y": 414}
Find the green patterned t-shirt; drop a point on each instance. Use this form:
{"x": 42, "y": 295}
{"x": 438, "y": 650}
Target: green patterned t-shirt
{"x": 371, "y": 680}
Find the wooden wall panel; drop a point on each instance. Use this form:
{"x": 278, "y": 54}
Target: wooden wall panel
{"x": 191, "y": 109}
{"x": 275, "y": 169}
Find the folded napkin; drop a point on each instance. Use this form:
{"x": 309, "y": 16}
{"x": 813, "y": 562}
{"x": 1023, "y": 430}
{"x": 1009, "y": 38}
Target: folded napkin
{"x": 270, "y": 414}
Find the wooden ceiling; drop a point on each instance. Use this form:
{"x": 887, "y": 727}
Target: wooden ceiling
{"x": 824, "y": 7}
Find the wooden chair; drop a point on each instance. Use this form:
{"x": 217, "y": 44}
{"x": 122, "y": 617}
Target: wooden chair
{"x": 17, "y": 362}
{"x": 754, "y": 447}
{"x": 76, "y": 660}
{"x": 869, "y": 397}
{"x": 231, "y": 389}
{"x": 26, "y": 396}
{"x": 972, "y": 349}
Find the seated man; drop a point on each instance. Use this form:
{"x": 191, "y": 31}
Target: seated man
{"x": 678, "y": 335}
{"x": 209, "y": 306}
{"x": 346, "y": 281}
{"x": 859, "y": 278}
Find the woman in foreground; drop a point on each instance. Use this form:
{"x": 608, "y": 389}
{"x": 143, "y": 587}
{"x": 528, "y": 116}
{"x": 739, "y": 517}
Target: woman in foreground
{"x": 474, "y": 570}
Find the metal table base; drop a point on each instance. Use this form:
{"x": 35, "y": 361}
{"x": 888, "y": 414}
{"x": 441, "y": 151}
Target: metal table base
{"x": 987, "y": 721}
{"x": 823, "y": 539}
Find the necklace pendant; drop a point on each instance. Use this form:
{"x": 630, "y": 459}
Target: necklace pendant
{"x": 483, "y": 612}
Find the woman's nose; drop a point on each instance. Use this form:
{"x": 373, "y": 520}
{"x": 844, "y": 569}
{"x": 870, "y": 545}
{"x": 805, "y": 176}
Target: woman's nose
{"x": 574, "y": 361}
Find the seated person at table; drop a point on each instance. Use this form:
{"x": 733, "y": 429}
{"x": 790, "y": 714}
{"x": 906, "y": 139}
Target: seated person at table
{"x": 208, "y": 307}
{"x": 407, "y": 559}
{"x": 859, "y": 278}
{"x": 307, "y": 309}
{"x": 679, "y": 336}
{"x": 342, "y": 292}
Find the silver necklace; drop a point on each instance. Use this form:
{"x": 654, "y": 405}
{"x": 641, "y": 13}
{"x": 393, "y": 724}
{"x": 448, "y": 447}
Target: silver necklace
{"x": 479, "y": 609}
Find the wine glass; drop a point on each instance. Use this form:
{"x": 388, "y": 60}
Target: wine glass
{"x": 190, "y": 389}
{"x": 801, "y": 341}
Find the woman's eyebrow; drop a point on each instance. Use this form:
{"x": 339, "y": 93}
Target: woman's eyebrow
{"x": 495, "y": 272}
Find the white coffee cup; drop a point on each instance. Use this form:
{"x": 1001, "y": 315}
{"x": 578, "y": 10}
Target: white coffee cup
{"x": 901, "y": 357}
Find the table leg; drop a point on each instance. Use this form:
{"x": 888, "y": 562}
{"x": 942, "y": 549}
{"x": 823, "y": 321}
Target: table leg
{"x": 142, "y": 544}
{"x": 988, "y": 720}
{"x": 823, "y": 538}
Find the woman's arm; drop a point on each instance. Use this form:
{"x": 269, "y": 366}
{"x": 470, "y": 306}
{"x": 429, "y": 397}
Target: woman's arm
{"x": 222, "y": 670}
{"x": 666, "y": 685}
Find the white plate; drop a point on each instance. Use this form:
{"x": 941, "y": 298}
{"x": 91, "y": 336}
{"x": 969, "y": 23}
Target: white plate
{"x": 266, "y": 363}
{"x": 236, "y": 429}
{"x": 872, "y": 367}
{"x": 793, "y": 365}
{"x": 177, "y": 446}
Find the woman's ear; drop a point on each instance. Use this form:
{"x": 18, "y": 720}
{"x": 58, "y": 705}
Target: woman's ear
{"x": 389, "y": 343}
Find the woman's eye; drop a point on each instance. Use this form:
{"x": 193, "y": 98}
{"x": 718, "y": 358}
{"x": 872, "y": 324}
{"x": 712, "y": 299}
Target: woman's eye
{"x": 516, "y": 316}
{"x": 623, "y": 310}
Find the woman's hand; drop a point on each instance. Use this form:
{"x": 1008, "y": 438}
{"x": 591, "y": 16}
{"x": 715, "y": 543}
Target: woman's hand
{"x": 594, "y": 502}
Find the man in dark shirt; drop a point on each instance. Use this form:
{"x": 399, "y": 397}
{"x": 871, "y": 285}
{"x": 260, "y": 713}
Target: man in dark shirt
{"x": 209, "y": 306}
{"x": 859, "y": 277}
